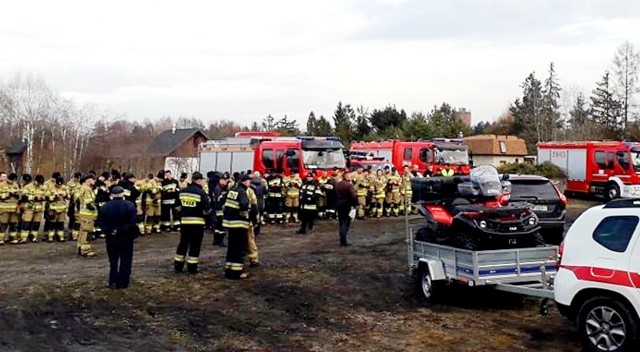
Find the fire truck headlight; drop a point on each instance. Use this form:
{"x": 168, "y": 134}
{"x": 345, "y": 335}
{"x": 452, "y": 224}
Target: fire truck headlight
{"x": 532, "y": 220}
{"x": 483, "y": 224}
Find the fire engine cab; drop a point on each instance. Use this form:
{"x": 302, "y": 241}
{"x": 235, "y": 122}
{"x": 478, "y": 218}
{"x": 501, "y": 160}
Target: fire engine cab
{"x": 609, "y": 169}
{"x": 267, "y": 151}
{"x": 429, "y": 156}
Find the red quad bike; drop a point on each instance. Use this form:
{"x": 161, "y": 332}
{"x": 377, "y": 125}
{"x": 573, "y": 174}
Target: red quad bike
{"x": 467, "y": 212}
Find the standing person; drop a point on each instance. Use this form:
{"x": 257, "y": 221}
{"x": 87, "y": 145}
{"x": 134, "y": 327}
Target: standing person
{"x": 274, "y": 202}
{"x": 329, "y": 189}
{"x": 86, "y": 216}
{"x": 236, "y": 221}
{"x": 117, "y": 219}
{"x": 101, "y": 189}
{"x": 254, "y": 227}
{"x": 259, "y": 186}
{"x": 309, "y": 195}
{"x": 217, "y": 201}
{"x": 33, "y": 202}
{"x": 9, "y": 197}
{"x": 195, "y": 206}
{"x": 169, "y": 216}
{"x": 74, "y": 186}
{"x": 58, "y": 201}
{"x": 48, "y": 213}
{"x": 447, "y": 171}
{"x": 151, "y": 199}
{"x": 347, "y": 199}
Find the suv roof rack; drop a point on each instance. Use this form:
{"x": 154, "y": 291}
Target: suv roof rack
{"x": 623, "y": 203}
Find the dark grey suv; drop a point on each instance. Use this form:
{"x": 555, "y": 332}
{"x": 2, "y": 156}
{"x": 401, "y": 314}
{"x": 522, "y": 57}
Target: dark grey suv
{"x": 547, "y": 201}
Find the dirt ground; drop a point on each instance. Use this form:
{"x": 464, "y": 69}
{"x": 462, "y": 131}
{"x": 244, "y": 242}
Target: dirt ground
{"x": 309, "y": 295}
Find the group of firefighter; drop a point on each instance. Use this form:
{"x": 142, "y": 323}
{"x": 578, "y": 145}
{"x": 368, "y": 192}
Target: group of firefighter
{"x": 27, "y": 202}
{"x": 381, "y": 192}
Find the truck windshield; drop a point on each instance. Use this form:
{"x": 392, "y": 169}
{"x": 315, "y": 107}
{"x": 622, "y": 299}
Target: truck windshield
{"x": 452, "y": 156}
{"x": 635, "y": 158}
{"x": 324, "y": 159}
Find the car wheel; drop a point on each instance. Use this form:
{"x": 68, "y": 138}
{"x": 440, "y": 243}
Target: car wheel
{"x": 606, "y": 324}
{"x": 613, "y": 192}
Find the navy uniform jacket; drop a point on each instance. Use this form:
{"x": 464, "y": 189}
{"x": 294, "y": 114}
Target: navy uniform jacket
{"x": 119, "y": 216}
{"x": 194, "y": 205}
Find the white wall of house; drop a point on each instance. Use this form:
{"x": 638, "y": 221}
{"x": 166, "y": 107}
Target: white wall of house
{"x": 496, "y": 160}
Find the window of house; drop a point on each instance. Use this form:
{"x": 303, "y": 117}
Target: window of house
{"x": 503, "y": 147}
{"x": 615, "y": 232}
{"x": 517, "y": 160}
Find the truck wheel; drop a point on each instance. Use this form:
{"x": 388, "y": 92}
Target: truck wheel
{"x": 429, "y": 288}
{"x": 613, "y": 192}
{"x": 605, "y": 324}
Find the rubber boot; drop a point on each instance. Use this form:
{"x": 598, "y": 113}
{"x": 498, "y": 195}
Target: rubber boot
{"x": 192, "y": 268}
{"x": 178, "y": 266}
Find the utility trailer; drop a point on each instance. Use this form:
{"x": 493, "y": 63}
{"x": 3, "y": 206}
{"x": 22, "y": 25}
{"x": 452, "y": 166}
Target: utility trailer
{"x": 525, "y": 271}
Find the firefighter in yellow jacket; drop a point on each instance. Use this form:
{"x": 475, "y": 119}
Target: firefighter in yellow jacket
{"x": 406, "y": 191}
{"x": 292, "y": 194}
{"x": 9, "y": 197}
{"x": 394, "y": 182}
{"x": 252, "y": 246}
{"x": 86, "y": 215}
{"x": 32, "y": 204}
{"x": 152, "y": 204}
{"x": 58, "y": 198}
{"x": 361, "y": 184}
{"x": 378, "y": 188}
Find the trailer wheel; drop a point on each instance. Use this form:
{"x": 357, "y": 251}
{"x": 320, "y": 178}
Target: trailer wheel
{"x": 429, "y": 288}
{"x": 613, "y": 191}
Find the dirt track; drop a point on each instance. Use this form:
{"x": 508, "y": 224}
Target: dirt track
{"x": 310, "y": 295}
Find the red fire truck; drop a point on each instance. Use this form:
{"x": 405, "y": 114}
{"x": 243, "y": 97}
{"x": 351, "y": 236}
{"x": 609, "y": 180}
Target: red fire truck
{"x": 267, "y": 151}
{"x": 429, "y": 156}
{"x": 609, "y": 169}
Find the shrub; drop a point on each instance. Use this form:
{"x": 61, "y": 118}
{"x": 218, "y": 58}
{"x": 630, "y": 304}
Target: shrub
{"x": 546, "y": 169}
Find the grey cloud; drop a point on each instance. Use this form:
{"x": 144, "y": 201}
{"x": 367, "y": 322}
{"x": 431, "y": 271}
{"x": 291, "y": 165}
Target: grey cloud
{"x": 506, "y": 21}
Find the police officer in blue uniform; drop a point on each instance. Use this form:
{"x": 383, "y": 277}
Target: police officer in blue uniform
{"x": 117, "y": 219}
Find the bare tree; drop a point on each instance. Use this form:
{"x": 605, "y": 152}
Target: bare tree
{"x": 626, "y": 63}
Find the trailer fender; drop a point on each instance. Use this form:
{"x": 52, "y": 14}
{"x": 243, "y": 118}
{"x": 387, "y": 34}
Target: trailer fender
{"x": 435, "y": 268}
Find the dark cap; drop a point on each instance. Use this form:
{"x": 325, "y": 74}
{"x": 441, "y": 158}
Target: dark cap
{"x": 59, "y": 180}
{"x": 117, "y": 191}
{"x": 128, "y": 175}
{"x": 55, "y": 175}
{"x": 26, "y": 178}
{"x": 160, "y": 174}
{"x": 224, "y": 176}
{"x": 183, "y": 175}
{"x": 245, "y": 178}
{"x": 196, "y": 176}
{"x": 39, "y": 178}
{"x": 13, "y": 176}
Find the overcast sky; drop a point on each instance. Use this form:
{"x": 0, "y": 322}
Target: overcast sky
{"x": 242, "y": 60}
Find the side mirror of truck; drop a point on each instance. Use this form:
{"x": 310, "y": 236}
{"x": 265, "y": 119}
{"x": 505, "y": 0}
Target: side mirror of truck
{"x": 505, "y": 177}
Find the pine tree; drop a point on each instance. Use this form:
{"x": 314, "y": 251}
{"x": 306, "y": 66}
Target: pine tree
{"x": 550, "y": 117}
{"x": 269, "y": 123}
{"x": 323, "y": 127}
{"x": 606, "y": 109}
{"x": 362, "y": 126}
{"x": 311, "y": 124}
{"x": 342, "y": 120}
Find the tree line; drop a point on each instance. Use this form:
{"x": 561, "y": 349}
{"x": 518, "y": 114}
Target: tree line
{"x": 65, "y": 136}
